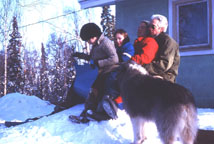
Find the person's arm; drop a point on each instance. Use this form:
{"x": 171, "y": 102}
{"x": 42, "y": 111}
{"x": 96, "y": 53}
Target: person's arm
{"x": 111, "y": 54}
{"x": 149, "y": 50}
{"x": 128, "y": 52}
{"x": 82, "y": 56}
{"x": 166, "y": 57}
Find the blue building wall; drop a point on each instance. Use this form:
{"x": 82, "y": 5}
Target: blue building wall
{"x": 195, "y": 72}
{"x": 130, "y": 13}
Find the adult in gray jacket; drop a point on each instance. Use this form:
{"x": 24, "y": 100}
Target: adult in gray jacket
{"x": 167, "y": 60}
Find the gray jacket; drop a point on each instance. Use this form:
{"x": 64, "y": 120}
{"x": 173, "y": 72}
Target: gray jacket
{"x": 104, "y": 52}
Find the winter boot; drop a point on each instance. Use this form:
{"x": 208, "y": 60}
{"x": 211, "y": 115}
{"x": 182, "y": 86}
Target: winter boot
{"x": 78, "y": 119}
{"x": 109, "y": 106}
{"x": 96, "y": 116}
{"x": 92, "y": 100}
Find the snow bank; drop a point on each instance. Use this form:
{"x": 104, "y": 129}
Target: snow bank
{"x": 19, "y": 107}
{"x": 57, "y": 129}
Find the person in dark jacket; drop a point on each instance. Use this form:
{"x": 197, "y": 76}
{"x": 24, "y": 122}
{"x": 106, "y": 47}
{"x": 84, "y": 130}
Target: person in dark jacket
{"x": 166, "y": 63}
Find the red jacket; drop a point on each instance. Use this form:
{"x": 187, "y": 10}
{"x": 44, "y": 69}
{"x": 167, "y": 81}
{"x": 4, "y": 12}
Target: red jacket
{"x": 145, "y": 50}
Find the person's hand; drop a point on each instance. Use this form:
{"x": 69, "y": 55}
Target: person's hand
{"x": 94, "y": 64}
{"x": 82, "y": 56}
{"x": 77, "y": 54}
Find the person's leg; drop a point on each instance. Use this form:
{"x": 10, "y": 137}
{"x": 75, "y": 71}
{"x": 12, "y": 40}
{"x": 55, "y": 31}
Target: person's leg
{"x": 110, "y": 85}
{"x": 104, "y": 85}
{"x": 111, "y": 92}
{"x": 95, "y": 94}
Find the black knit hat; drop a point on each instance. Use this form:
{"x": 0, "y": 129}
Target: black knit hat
{"x": 89, "y": 30}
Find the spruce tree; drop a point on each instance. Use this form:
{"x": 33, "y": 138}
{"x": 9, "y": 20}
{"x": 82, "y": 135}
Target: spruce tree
{"x": 62, "y": 72}
{"x": 108, "y": 22}
{"x": 68, "y": 71}
{"x": 31, "y": 59}
{"x": 44, "y": 88}
{"x": 14, "y": 68}
{"x": 55, "y": 45}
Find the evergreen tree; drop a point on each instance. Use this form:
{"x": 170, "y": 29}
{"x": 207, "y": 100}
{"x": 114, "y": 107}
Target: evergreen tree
{"x": 30, "y": 72}
{"x": 59, "y": 76}
{"x": 44, "y": 88}
{"x": 62, "y": 72}
{"x": 55, "y": 46}
{"x": 108, "y": 22}
{"x": 14, "y": 68}
{"x": 68, "y": 70}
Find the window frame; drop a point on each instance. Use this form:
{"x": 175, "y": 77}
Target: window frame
{"x": 197, "y": 49}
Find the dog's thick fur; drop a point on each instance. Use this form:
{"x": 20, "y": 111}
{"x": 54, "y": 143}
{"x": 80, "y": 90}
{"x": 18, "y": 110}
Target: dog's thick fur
{"x": 169, "y": 105}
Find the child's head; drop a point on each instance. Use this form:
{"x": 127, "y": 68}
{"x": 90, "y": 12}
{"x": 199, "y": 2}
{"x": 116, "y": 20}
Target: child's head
{"x": 121, "y": 37}
{"x": 90, "y": 31}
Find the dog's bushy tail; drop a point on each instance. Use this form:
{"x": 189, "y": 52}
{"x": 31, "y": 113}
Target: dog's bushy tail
{"x": 189, "y": 132}
{"x": 178, "y": 121}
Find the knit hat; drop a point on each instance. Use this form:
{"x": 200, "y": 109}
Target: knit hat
{"x": 89, "y": 30}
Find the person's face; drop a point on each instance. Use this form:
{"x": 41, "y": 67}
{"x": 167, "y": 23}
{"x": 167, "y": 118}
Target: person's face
{"x": 142, "y": 30}
{"x": 119, "y": 39}
{"x": 92, "y": 40}
{"x": 154, "y": 28}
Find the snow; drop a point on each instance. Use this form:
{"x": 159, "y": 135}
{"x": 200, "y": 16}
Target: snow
{"x": 57, "y": 129}
{"x": 18, "y": 107}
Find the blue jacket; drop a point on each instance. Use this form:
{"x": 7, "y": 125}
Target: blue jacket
{"x": 125, "y": 52}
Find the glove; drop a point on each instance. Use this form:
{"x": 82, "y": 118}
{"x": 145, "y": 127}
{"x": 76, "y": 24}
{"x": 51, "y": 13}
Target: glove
{"x": 81, "y": 56}
{"x": 94, "y": 64}
{"x": 77, "y": 54}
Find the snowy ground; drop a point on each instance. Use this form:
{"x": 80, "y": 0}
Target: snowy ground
{"x": 57, "y": 129}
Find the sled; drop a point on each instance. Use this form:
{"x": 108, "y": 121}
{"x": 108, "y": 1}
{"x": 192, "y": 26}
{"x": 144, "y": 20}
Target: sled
{"x": 80, "y": 89}
{"x": 85, "y": 77}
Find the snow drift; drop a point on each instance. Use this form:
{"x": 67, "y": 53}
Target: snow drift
{"x": 57, "y": 129}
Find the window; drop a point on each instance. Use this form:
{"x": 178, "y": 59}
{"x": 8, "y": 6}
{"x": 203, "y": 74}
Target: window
{"x": 190, "y": 24}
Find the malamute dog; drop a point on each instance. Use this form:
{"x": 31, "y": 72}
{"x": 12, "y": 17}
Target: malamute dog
{"x": 169, "y": 105}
